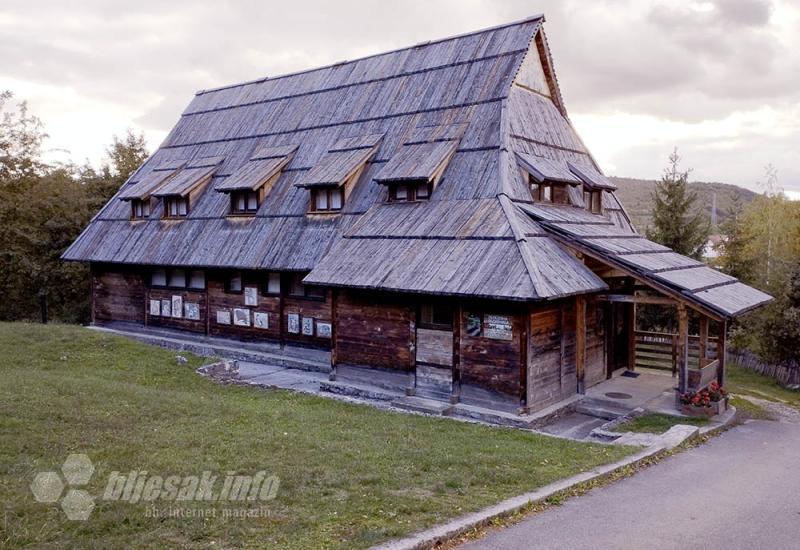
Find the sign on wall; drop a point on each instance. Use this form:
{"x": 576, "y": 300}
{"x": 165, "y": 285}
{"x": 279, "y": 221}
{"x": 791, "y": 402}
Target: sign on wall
{"x": 498, "y": 327}
{"x": 261, "y": 320}
{"x": 223, "y": 317}
{"x": 166, "y": 308}
{"x": 177, "y": 306}
{"x": 192, "y": 311}
{"x": 250, "y": 296}
{"x": 324, "y": 330}
{"x": 241, "y": 317}
{"x": 473, "y": 324}
{"x": 308, "y": 326}
{"x": 155, "y": 308}
{"x": 293, "y": 322}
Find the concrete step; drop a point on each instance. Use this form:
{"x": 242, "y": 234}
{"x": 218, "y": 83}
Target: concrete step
{"x": 359, "y": 390}
{"x": 423, "y": 405}
{"x": 600, "y": 409}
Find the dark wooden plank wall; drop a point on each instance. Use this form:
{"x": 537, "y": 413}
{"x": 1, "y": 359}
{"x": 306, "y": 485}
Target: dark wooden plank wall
{"x": 319, "y": 310}
{"x": 545, "y": 356}
{"x": 219, "y": 299}
{"x": 191, "y": 296}
{"x": 375, "y": 330}
{"x": 595, "y": 342}
{"x": 117, "y": 295}
{"x": 488, "y": 363}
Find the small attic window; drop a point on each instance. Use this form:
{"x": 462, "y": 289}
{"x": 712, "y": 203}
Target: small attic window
{"x": 244, "y": 202}
{"x": 548, "y": 178}
{"x": 176, "y": 206}
{"x": 593, "y": 199}
{"x": 409, "y": 191}
{"x": 326, "y": 199}
{"x": 140, "y": 209}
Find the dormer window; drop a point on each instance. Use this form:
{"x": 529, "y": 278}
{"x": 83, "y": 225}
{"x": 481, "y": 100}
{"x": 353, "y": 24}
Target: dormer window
{"x": 415, "y": 170}
{"x": 593, "y": 199}
{"x": 548, "y": 179}
{"x": 326, "y": 199}
{"x": 244, "y": 202}
{"x": 140, "y": 209}
{"x": 250, "y": 184}
{"x": 176, "y": 206}
{"x": 541, "y": 192}
{"x": 332, "y": 178}
{"x": 410, "y": 191}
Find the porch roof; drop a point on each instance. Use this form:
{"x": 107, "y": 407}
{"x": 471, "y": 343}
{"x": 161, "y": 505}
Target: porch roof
{"x": 658, "y": 266}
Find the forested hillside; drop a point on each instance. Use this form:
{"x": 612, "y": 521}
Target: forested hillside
{"x": 636, "y": 196}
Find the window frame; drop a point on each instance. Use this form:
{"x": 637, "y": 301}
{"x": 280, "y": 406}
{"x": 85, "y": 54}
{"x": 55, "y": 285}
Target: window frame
{"x": 177, "y": 200}
{"x": 327, "y": 192}
{"x": 190, "y": 275}
{"x": 265, "y": 284}
{"x": 412, "y": 191}
{"x": 169, "y": 273}
{"x": 246, "y": 195}
{"x": 309, "y": 292}
{"x": 432, "y": 323}
{"x": 229, "y": 282}
{"x": 143, "y": 206}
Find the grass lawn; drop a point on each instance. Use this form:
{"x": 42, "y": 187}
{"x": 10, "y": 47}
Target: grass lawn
{"x": 350, "y": 475}
{"x": 750, "y": 409}
{"x": 747, "y": 382}
{"x": 657, "y": 423}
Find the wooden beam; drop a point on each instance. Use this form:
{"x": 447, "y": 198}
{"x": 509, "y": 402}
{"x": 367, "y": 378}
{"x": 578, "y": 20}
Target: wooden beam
{"x": 721, "y": 351}
{"x": 580, "y": 341}
{"x": 455, "y": 381}
{"x": 632, "y": 337}
{"x": 334, "y": 295}
{"x": 632, "y": 299}
{"x": 683, "y": 348}
{"x": 703, "y": 340}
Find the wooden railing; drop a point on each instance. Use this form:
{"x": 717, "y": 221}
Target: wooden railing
{"x": 659, "y": 350}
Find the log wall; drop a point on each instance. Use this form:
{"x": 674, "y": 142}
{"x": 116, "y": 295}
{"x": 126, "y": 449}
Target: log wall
{"x": 117, "y": 295}
{"x": 595, "y": 342}
{"x": 375, "y": 330}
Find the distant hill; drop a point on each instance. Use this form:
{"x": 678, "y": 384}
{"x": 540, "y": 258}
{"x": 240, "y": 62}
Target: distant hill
{"x": 636, "y": 197}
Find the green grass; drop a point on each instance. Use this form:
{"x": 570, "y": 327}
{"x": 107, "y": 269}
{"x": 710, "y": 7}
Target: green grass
{"x": 657, "y": 423}
{"x": 747, "y": 382}
{"x": 350, "y": 475}
{"x": 750, "y": 409}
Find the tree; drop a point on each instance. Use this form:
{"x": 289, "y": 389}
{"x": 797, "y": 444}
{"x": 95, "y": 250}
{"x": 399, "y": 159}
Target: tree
{"x": 127, "y": 154}
{"x": 21, "y": 137}
{"x": 677, "y": 223}
{"x": 733, "y": 258}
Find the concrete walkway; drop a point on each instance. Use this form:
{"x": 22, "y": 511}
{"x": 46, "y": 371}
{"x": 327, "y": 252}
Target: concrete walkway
{"x": 739, "y": 491}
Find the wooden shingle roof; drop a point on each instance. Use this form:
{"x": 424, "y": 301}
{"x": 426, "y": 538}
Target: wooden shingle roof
{"x": 460, "y": 108}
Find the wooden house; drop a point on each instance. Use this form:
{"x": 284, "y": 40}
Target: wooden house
{"x": 429, "y": 215}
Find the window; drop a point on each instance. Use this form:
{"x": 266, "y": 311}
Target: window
{"x": 176, "y": 207}
{"x": 298, "y": 289}
{"x": 169, "y": 278}
{"x": 273, "y": 284}
{"x": 234, "y": 283}
{"x": 436, "y": 316}
{"x": 140, "y": 209}
{"x": 197, "y": 279}
{"x": 326, "y": 199}
{"x": 177, "y": 278}
{"x": 541, "y": 192}
{"x": 244, "y": 202}
{"x": 406, "y": 192}
{"x": 597, "y": 202}
{"x": 158, "y": 277}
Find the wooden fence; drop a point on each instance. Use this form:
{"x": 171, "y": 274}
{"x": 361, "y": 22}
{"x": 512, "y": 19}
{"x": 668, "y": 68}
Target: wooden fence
{"x": 659, "y": 350}
{"x": 787, "y": 374}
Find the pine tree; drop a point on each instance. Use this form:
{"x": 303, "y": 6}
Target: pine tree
{"x": 676, "y": 222}
{"x": 734, "y": 259}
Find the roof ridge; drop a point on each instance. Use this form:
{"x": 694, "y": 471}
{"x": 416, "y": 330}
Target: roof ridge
{"x": 537, "y": 17}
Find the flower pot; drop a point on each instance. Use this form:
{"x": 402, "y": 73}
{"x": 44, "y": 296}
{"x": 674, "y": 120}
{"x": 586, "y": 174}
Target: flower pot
{"x": 715, "y": 408}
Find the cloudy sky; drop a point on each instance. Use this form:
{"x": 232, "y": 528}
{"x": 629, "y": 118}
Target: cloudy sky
{"x": 719, "y": 79}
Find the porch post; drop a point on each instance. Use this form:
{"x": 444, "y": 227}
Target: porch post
{"x": 721, "y": 351}
{"x": 632, "y": 337}
{"x": 703, "y": 340}
{"x": 683, "y": 348}
{"x": 580, "y": 341}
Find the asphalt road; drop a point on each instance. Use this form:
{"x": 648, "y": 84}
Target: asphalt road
{"x": 740, "y": 490}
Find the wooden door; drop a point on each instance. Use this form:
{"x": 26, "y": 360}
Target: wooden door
{"x": 434, "y": 359}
